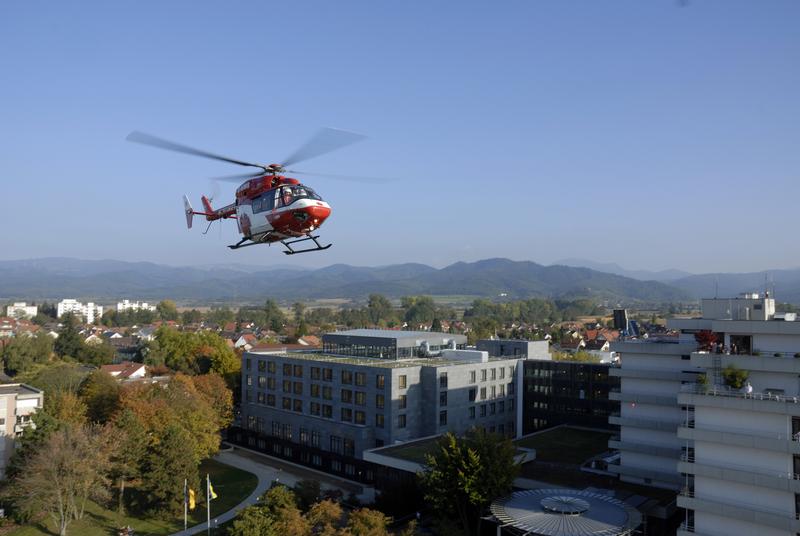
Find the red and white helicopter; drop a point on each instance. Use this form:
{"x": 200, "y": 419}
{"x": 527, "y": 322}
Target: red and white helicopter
{"x": 269, "y": 206}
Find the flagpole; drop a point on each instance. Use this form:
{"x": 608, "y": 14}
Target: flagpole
{"x": 185, "y": 501}
{"x": 208, "y": 503}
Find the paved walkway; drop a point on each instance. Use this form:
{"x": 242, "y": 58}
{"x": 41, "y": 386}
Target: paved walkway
{"x": 267, "y": 470}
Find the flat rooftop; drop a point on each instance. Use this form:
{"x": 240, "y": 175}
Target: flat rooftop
{"x": 18, "y": 389}
{"x": 374, "y": 361}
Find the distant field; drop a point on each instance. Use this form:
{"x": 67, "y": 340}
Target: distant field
{"x": 231, "y": 485}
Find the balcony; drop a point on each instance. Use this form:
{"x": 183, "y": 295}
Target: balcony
{"x": 642, "y": 398}
{"x": 747, "y": 512}
{"x": 650, "y": 423}
{"x": 650, "y": 374}
{"x": 743, "y": 474}
{"x": 615, "y": 442}
{"x": 740, "y": 437}
{"x": 758, "y": 360}
{"x": 694, "y": 394}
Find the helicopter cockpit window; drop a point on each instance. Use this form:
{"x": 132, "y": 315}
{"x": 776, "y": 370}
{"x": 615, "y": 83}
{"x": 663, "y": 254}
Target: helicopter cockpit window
{"x": 286, "y": 196}
{"x": 257, "y": 205}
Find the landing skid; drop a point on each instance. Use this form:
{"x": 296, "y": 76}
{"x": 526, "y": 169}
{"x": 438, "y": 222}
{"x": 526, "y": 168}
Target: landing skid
{"x": 246, "y": 242}
{"x": 309, "y": 237}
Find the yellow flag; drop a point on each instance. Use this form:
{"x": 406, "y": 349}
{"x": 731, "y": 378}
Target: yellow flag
{"x": 191, "y": 499}
{"x": 211, "y": 490}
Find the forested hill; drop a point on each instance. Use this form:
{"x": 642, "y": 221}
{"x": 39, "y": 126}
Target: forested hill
{"x": 108, "y": 280}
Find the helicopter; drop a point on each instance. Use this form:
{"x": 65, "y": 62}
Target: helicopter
{"x": 269, "y": 207}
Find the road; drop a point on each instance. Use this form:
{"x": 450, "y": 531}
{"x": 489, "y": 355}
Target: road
{"x": 267, "y": 470}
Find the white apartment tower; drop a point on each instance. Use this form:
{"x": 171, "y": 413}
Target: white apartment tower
{"x": 127, "y": 305}
{"x": 88, "y": 312}
{"x": 721, "y": 423}
{"x": 20, "y": 310}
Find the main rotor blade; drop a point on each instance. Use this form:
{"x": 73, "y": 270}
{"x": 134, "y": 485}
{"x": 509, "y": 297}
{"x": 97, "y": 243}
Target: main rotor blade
{"x": 147, "y": 139}
{"x": 324, "y": 141}
{"x": 238, "y": 178}
{"x": 350, "y": 178}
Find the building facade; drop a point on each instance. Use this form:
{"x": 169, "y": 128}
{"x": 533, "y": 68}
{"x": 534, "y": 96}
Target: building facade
{"x": 127, "y": 305}
{"x": 88, "y": 312}
{"x": 566, "y": 392}
{"x": 326, "y": 409}
{"x": 21, "y": 310}
{"x": 18, "y": 403}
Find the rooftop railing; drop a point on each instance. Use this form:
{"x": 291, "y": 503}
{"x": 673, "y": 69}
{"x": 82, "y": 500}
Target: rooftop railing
{"x": 753, "y": 353}
{"x": 717, "y": 390}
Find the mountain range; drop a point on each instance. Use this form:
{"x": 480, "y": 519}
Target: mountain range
{"x": 106, "y": 281}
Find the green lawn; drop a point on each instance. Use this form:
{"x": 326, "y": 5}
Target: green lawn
{"x": 566, "y": 445}
{"x": 231, "y": 485}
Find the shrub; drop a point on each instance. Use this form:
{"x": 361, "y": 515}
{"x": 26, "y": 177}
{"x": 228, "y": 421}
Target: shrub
{"x": 734, "y": 377}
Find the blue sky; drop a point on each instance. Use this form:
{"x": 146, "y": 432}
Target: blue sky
{"x": 644, "y": 133}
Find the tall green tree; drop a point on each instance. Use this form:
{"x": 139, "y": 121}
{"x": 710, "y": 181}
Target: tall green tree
{"x": 168, "y": 462}
{"x": 465, "y": 474}
{"x": 69, "y": 342}
{"x": 167, "y": 310}
{"x": 22, "y": 353}
{"x": 100, "y": 392}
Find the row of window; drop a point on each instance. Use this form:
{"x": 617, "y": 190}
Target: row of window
{"x": 306, "y": 457}
{"x": 491, "y": 374}
{"x": 319, "y": 373}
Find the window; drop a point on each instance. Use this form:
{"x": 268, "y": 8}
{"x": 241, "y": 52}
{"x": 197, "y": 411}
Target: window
{"x": 502, "y": 389}
{"x": 442, "y": 418}
{"x": 494, "y": 374}
{"x": 315, "y": 408}
{"x": 327, "y": 375}
{"x": 483, "y": 375}
{"x": 361, "y": 379}
{"x": 276, "y": 428}
{"x": 443, "y": 380}
{"x": 403, "y": 401}
{"x": 349, "y": 469}
{"x": 298, "y": 405}
{"x": 502, "y": 372}
{"x": 511, "y": 389}
{"x": 492, "y": 408}
{"x": 379, "y": 420}
{"x": 286, "y": 403}
{"x": 361, "y": 398}
{"x": 271, "y": 400}
{"x": 443, "y": 398}
{"x": 315, "y": 390}
{"x": 271, "y": 383}
{"x": 380, "y": 381}
{"x": 249, "y": 380}
{"x": 271, "y": 367}
{"x": 316, "y": 439}
{"x": 262, "y": 365}
{"x": 379, "y": 401}
{"x": 347, "y": 415}
{"x": 361, "y": 417}
{"x": 347, "y": 396}
{"x": 401, "y": 421}
{"x": 471, "y": 376}
{"x": 336, "y": 465}
{"x": 316, "y": 459}
{"x": 483, "y": 393}
{"x": 286, "y": 433}
{"x": 327, "y": 411}
{"x": 402, "y": 381}
{"x": 298, "y": 388}
{"x": 336, "y": 444}
{"x": 287, "y": 369}
{"x": 260, "y": 398}
{"x": 248, "y": 395}
{"x": 349, "y": 447}
{"x": 315, "y": 373}
{"x": 347, "y": 377}
{"x": 511, "y": 371}
{"x": 511, "y": 405}
{"x": 286, "y": 386}
{"x": 483, "y": 410}
{"x": 501, "y": 407}
{"x": 472, "y": 412}
{"x": 303, "y": 436}
{"x": 473, "y": 393}
{"x": 327, "y": 392}
{"x": 494, "y": 391}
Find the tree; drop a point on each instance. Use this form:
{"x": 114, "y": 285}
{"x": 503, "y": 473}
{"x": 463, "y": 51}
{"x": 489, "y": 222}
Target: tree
{"x": 69, "y": 342}
{"x": 66, "y": 407}
{"x": 167, "y": 310}
{"x": 192, "y": 317}
{"x": 325, "y": 517}
{"x": 299, "y": 310}
{"x": 281, "y": 504}
{"x": 100, "y": 392}
{"x": 96, "y": 354}
{"x": 22, "y": 353}
{"x": 253, "y": 520}
{"x": 58, "y": 377}
{"x": 436, "y": 326}
{"x": 128, "y": 455}
{"x": 705, "y": 339}
{"x": 380, "y": 310}
{"x": 419, "y": 309}
{"x": 168, "y": 462}
{"x": 59, "y": 479}
{"x": 464, "y": 475}
{"x": 734, "y": 377}
{"x": 213, "y": 389}
{"x": 366, "y": 522}
{"x": 273, "y": 316}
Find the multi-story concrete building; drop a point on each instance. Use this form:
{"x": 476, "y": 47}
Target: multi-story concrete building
{"x": 718, "y": 417}
{"x": 18, "y": 402}
{"x": 21, "y": 310}
{"x": 327, "y": 407}
{"x": 741, "y": 430}
{"x": 88, "y": 312}
{"x": 127, "y": 305}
